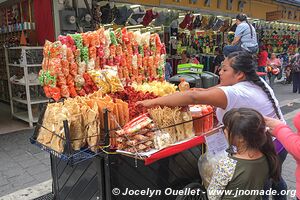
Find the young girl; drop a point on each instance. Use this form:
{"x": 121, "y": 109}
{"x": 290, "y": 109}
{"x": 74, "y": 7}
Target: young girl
{"x": 251, "y": 161}
{"x": 290, "y": 140}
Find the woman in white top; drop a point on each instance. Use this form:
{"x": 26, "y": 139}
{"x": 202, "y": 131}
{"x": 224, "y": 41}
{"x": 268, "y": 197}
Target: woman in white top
{"x": 240, "y": 86}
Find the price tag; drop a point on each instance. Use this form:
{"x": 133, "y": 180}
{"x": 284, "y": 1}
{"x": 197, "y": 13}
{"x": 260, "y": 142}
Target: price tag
{"x": 216, "y": 142}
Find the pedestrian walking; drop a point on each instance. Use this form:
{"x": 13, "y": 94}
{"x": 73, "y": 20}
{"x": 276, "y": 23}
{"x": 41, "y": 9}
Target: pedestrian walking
{"x": 295, "y": 66}
{"x": 273, "y": 68}
{"x": 262, "y": 59}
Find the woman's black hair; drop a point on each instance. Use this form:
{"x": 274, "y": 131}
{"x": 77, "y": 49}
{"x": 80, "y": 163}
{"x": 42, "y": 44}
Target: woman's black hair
{"x": 249, "y": 125}
{"x": 244, "y": 62}
{"x": 243, "y": 18}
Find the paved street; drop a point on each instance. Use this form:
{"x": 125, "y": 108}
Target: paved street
{"x": 26, "y": 169}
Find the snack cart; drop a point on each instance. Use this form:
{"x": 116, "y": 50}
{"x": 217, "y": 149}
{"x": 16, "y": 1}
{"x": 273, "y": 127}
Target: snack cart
{"x": 170, "y": 173}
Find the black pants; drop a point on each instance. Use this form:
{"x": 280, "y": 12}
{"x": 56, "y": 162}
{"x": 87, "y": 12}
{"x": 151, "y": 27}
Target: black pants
{"x": 279, "y": 186}
{"x": 296, "y": 82}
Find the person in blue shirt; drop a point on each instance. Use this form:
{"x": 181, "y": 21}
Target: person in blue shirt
{"x": 245, "y": 38}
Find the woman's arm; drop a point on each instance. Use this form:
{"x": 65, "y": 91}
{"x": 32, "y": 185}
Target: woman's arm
{"x": 215, "y": 97}
{"x": 290, "y": 140}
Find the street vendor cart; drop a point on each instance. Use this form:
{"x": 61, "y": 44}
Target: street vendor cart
{"x": 170, "y": 173}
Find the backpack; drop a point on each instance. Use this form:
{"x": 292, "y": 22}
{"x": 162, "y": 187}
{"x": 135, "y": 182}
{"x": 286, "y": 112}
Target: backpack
{"x": 295, "y": 63}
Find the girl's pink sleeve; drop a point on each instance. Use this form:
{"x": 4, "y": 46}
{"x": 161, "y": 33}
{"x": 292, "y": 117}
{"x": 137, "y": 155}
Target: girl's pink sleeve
{"x": 290, "y": 140}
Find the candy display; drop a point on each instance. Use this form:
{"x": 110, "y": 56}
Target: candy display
{"x": 85, "y": 119}
{"x": 156, "y": 87}
{"x": 157, "y": 129}
{"x": 74, "y": 64}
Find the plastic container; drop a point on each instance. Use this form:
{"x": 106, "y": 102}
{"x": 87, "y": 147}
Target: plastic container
{"x": 183, "y": 85}
{"x": 198, "y": 124}
{"x": 202, "y": 124}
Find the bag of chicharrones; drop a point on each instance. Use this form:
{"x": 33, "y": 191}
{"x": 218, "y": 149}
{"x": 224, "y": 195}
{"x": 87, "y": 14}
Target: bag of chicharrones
{"x": 206, "y": 165}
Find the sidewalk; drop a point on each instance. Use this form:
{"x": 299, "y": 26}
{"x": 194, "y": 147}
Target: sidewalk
{"x": 25, "y": 170}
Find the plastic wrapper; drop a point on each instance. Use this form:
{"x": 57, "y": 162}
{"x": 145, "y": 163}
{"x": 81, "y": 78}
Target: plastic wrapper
{"x": 93, "y": 52}
{"x": 107, "y": 38}
{"x": 207, "y": 164}
{"x": 47, "y": 78}
{"x": 100, "y": 81}
{"x": 64, "y": 91}
{"x": 112, "y": 50}
{"x": 113, "y": 38}
{"x": 73, "y": 68}
{"x": 65, "y": 67}
{"x": 111, "y": 76}
{"x": 79, "y": 81}
{"x": 90, "y": 65}
{"x": 145, "y": 39}
{"x": 72, "y": 91}
{"x": 70, "y": 80}
{"x": 118, "y": 34}
{"x": 77, "y": 55}
{"x": 61, "y": 80}
{"x": 85, "y": 54}
{"x": 162, "y": 140}
{"x": 125, "y": 38}
{"x": 106, "y": 51}
{"x": 70, "y": 55}
{"x": 100, "y": 33}
{"x": 138, "y": 37}
{"x": 81, "y": 68}
{"x": 78, "y": 40}
{"x": 100, "y": 51}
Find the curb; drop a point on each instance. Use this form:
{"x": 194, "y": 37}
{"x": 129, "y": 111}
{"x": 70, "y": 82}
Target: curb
{"x": 30, "y": 192}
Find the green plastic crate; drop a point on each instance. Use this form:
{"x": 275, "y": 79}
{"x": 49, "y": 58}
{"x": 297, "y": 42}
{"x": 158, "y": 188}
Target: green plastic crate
{"x": 190, "y": 68}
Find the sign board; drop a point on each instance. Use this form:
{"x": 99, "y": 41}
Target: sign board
{"x": 274, "y": 15}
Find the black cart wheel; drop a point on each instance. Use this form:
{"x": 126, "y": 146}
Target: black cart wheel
{"x": 199, "y": 193}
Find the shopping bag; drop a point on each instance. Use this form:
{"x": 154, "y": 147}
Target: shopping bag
{"x": 206, "y": 165}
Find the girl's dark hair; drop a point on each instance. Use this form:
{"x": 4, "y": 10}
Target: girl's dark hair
{"x": 250, "y": 125}
{"x": 243, "y": 18}
{"x": 244, "y": 62}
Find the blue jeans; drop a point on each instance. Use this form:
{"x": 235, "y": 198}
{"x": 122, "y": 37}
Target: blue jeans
{"x": 278, "y": 186}
{"x": 229, "y": 49}
{"x": 233, "y": 48}
{"x": 271, "y": 79}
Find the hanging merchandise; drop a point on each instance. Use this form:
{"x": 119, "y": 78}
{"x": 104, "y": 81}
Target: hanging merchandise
{"x": 137, "y": 16}
{"x": 109, "y": 12}
{"x": 149, "y": 17}
{"x": 122, "y": 14}
{"x": 80, "y": 64}
{"x": 187, "y": 21}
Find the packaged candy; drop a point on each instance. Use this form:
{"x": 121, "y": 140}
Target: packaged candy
{"x": 112, "y": 50}
{"x": 81, "y": 68}
{"x": 113, "y": 38}
{"x": 125, "y": 38}
{"x": 91, "y": 65}
{"x": 64, "y": 91}
{"x": 79, "y": 81}
{"x": 107, "y": 38}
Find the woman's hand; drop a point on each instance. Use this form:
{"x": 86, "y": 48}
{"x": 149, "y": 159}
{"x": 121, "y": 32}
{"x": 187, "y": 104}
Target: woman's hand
{"x": 146, "y": 103}
{"x": 272, "y": 123}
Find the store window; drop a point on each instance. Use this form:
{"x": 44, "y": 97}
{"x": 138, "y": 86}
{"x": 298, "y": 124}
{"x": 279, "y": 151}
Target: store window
{"x": 219, "y": 4}
{"x": 229, "y": 4}
{"x": 207, "y": 3}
